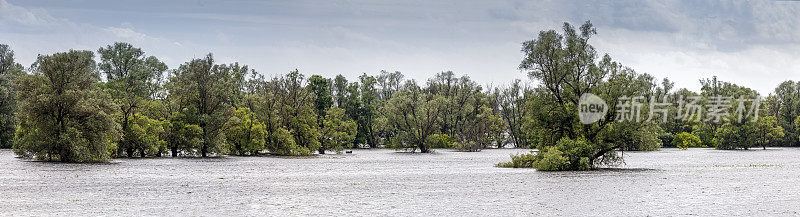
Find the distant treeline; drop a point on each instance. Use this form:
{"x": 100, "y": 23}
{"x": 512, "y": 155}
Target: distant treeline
{"x": 59, "y": 108}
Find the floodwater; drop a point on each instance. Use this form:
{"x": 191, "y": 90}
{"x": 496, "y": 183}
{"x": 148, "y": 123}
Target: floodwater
{"x": 385, "y": 183}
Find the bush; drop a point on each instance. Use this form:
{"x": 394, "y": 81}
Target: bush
{"x": 567, "y": 154}
{"x": 520, "y": 161}
{"x": 469, "y": 146}
{"x": 441, "y": 141}
{"x": 686, "y": 140}
{"x": 552, "y": 160}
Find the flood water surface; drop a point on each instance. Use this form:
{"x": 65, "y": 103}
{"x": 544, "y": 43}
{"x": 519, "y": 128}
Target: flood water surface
{"x": 386, "y": 183}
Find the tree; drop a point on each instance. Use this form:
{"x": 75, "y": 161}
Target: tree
{"x": 297, "y": 114}
{"x": 246, "y": 134}
{"x": 415, "y": 115}
{"x": 512, "y": 105}
{"x": 9, "y": 71}
{"x": 209, "y": 90}
{"x": 148, "y": 135}
{"x": 686, "y": 140}
{"x": 337, "y": 132}
{"x": 565, "y": 67}
{"x": 132, "y": 78}
{"x": 729, "y": 136}
{"x": 388, "y": 84}
{"x": 321, "y": 88}
{"x": 65, "y": 116}
{"x": 764, "y": 132}
{"x": 785, "y": 107}
{"x": 368, "y": 111}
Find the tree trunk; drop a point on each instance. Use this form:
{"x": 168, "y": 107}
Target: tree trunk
{"x": 322, "y": 149}
{"x": 141, "y": 153}
{"x": 130, "y": 152}
{"x": 204, "y": 151}
{"x": 174, "y": 151}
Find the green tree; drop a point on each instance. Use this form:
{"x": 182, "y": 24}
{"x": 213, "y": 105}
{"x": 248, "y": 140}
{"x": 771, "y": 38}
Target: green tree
{"x": 209, "y": 92}
{"x": 686, "y": 140}
{"x": 512, "y": 105}
{"x": 764, "y": 132}
{"x": 148, "y": 135}
{"x": 297, "y": 114}
{"x": 729, "y": 136}
{"x": 9, "y": 70}
{"x": 785, "y": 106}
{"x": 132, "y": 77}
{"x": 566, "y": 67}
{"x": 337, "y": 132}
{"x": 416, "y": 115}
{"x": 65, "y": 116}
{"x": 245, "y": 134}
{"x": 368, "y": 111}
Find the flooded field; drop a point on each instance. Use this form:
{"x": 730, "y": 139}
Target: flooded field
{"x": 385, "y": 183}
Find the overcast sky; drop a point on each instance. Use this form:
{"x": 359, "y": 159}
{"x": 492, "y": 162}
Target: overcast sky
{"x": 752, "y": 43}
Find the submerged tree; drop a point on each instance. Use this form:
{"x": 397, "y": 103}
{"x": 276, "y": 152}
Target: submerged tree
{"x": 245, "y": 134}
{"x": 337, "y": 131}
{"x": 65, "y": 116}
{"x": 566, "y": 67}
{"x": 132, "y": 78}
{"x": 9, "y": 71}
{"x": 296, "y": 111}
{"x": 209, "y": 90}
{"x": 415, "y": 115}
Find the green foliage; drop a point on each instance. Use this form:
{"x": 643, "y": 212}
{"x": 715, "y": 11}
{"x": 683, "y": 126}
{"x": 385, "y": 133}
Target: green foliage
{"x": 764, "y": 132}
{"x": 414, "y": 115}
{"x": 132, "y": 79}
{"x": 64, "y": 115}
{"x": 566, "y": 66}
{"x": 148, "y": 136}
{"x": 512, "y": 103}
{"x": 705, "y": 132}
{"x": 245, "y": 135}
{"x": 761, "y": 133}
{"x": 729, "y": 136}
{"x": 9, "y": 70}
{"x": 441, "y": 141}
{"x": 337, "y": 131}
{"x": 208, "y": 91}
{"x": 525, "y": 160}
{"x": 686, "y": 140}
{"x": 567, "y": 154}
{"x": 297, "y": 112}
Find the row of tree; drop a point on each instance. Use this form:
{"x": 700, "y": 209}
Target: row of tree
{"x": 61, "y": 108}
{"x": 566, "y": 67}
{"x": 69, "y": 107}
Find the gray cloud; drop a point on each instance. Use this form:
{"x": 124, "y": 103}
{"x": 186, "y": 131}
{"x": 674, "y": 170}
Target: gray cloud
{"x": 754, "y": 43}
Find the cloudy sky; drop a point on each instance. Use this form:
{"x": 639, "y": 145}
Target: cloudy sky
{"x": 753, "y": 43}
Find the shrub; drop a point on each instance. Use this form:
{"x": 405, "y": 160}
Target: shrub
{"x": 525, "y": 160}
{"x": 567, "y": 154}
{"x": 686, "y": 140}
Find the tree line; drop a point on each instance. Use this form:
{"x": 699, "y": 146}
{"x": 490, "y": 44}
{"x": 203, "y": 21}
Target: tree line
{"x": 80, "y": 106}
{"x": 69, "y": 107}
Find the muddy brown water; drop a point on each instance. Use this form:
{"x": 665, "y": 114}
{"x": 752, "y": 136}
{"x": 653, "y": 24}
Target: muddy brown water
{"x": 668, "y": 182}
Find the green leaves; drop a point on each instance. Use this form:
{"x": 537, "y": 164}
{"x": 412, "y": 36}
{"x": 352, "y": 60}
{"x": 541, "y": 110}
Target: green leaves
{"x": 337, "y": 131}
{"x": 65, "y": 116}
{"x": 686, "y": 140}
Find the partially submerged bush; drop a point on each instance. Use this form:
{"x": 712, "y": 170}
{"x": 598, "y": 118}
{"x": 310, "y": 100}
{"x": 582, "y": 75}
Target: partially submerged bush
{"x": 470, "y": 146}
{"x": 686, "y": 140}
{"x": 567, "y": 154}
{"x": 524, "y": 160}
